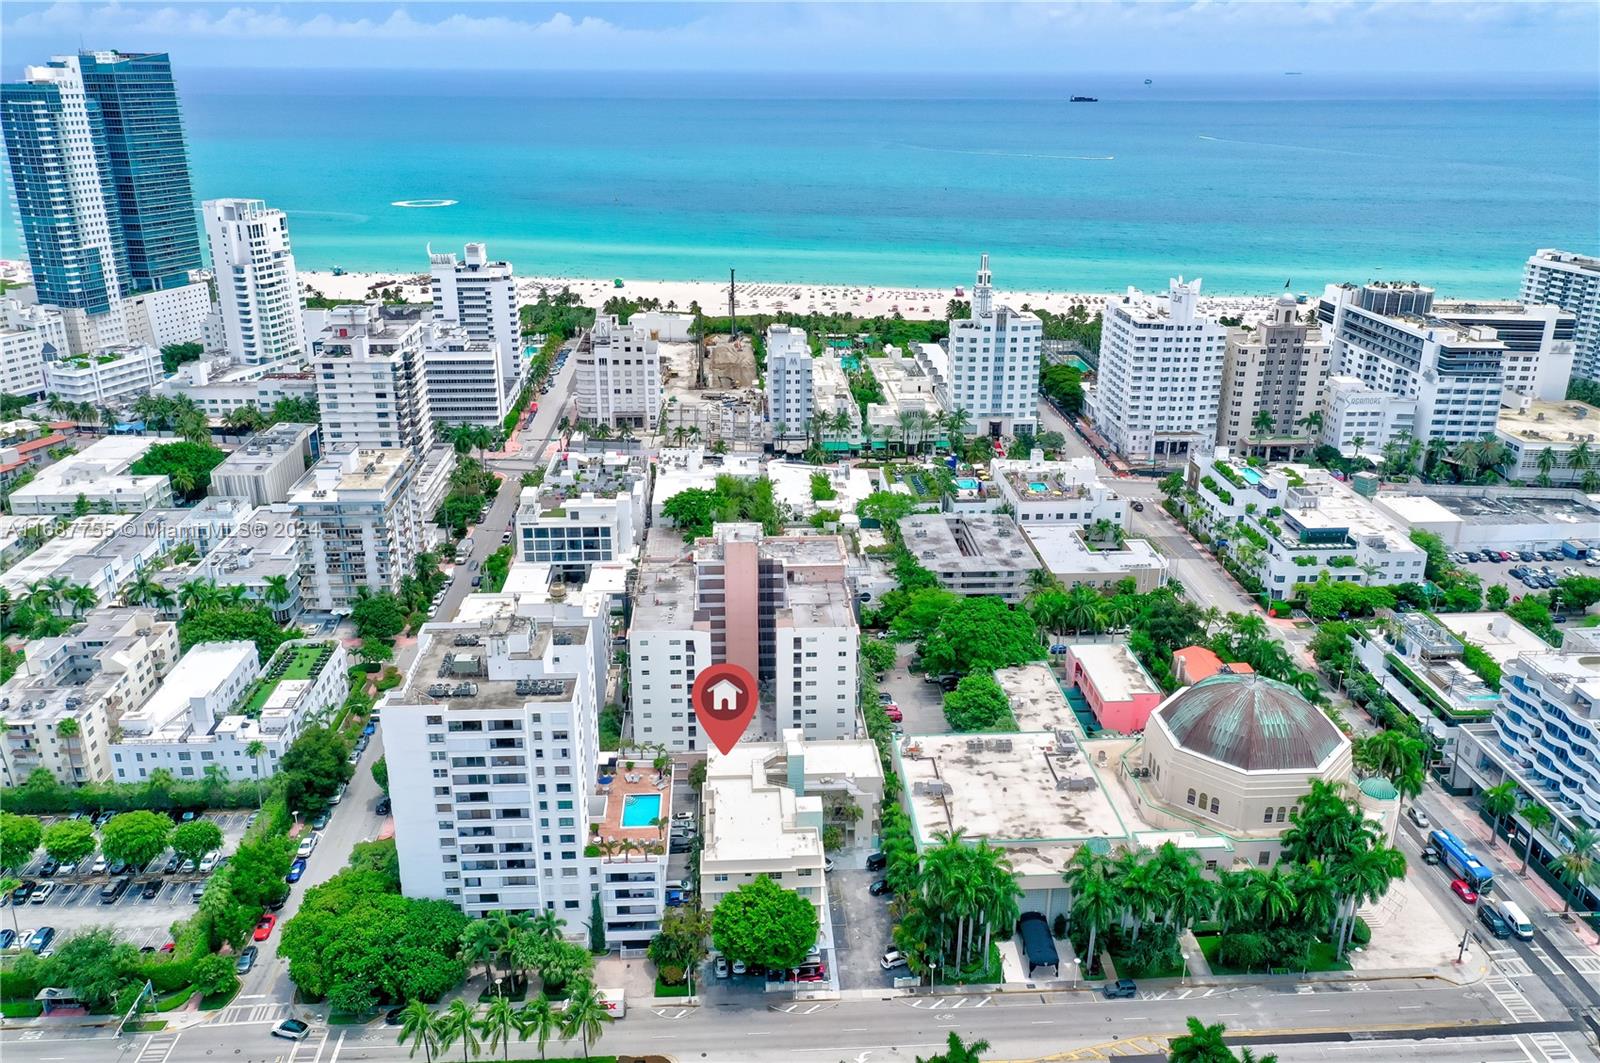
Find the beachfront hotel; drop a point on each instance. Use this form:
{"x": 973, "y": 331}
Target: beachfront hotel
{"x": 618, "y": 379}
{"x": 1160, "y": 377}
{"x": 481, "y": 297}
{"x": 1572, "y": 282}
{"x": 370, "y": 378}
{"x": 994, "y": 364}
{"x": 1279, "y": 368}
{"x": 258, "y": 289}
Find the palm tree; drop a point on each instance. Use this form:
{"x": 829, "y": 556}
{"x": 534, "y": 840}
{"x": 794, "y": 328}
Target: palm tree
{"x": 277, "y": 592}
{"x": 1499, "y": 801}
{"x": 1364, "y": 875}
{"x": 1083, "y": 609}
{"x": 1580, "y": 457}
{"x": 1236, "y": 901}
{"x": 1396, "y": 756}
{"x": 957, "y": 1051}
{"x": 1273, "y": 894}
{"x": 255, "y": 750}
{"x": 478, "y": 946}
{"x": 1544, "y": 462}
{"x": 1261, "y": 423}
{"x": 499, "y": 1022}
{"x": 80, "y": 598}
{"x": 586, "y": 1015}
{"x": 1536, "y": 818}
{"x": 197, "y": 594}
{"x": 1579, "y": 864}
{"x": 540, "y": 1021}
{"x": 460, "y": 1023}
{"x": 420, "y": 1026}
{"x": 1202, "y": 1044}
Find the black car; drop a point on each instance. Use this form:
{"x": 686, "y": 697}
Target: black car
{"x": 151, "y": 890}
{"x": 1494, "y": 921}
{"x": 877, "y": 862}
{"x": 1121, "y": 989}
{"x": 247, "y": 960}
{"x": 392, "y": 1017}
{"x": 383, "y": 806}
{"x": 51, "y": 866}
{"x": 112, "y": 892}
{"x": 880, "y": 888}
{"x": 1430, "y": 855}
{"x": 21, "y": 894}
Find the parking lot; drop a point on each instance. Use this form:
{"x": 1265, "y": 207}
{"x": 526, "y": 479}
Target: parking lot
{"x": 921, "y": 702}
{"x": 1493, "y": 572}
{"x": 75, "y": 903}
{"x": 862, "y": 929}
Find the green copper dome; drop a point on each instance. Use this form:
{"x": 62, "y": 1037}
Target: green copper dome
{"x": 1252, "y": 723}
{"x": 1379, "y": 789}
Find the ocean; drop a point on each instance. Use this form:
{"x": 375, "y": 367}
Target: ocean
{"x": 1250, "y": 183}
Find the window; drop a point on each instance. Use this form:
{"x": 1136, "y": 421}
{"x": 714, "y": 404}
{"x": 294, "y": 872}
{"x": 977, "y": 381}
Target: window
{"x": 1280, "y": 813}
{"x": 1191, "y": 796}
{"x": 1204, "y": 800}
{"x": 1268, "y": 817}
{"x": 1214, "y": 805}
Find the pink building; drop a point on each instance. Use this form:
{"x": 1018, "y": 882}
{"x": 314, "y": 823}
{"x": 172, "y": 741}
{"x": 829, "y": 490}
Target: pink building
{"x": 1118, "y": 689}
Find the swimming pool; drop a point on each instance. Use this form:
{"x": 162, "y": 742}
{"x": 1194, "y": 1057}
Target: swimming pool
{"x": 1250, "y": 476}
{"x": 1038, "y": 488}
{"x": 967, "y": 483}
{"x": 640, "y": 810}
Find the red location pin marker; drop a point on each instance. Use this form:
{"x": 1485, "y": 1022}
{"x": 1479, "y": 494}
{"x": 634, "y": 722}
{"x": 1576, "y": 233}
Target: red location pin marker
{"x": 724, "y": 698}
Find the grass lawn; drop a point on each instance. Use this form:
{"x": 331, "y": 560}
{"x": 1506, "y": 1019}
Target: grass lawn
{"x": 219, "y": 1000}
{"x": 1322, "y": 958}
{"x": 21, "y": 1009}
{"x": 346, "y": 1018}
{"x": 300, "y": 664}
{"x": 175, "y": 1000}
{"x": 989, "y": 975}
{"x": 665, "y": 990}
{"x": 1590, "y": 621}
{"x": 147, "y": 1026}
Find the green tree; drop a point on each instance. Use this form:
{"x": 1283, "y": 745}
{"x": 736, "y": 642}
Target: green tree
{"x": 94, "y": 963}
{"x": 378, "y": 616}
{"x": 1499, "y": 801}
{"x": 227, "y": 621}
{"x": 213, "y": 975}
{"x": 1579, "y": 865}
{"x": 1537, "y": 818}
{"x": 135, "y": 838}
{"x": 380, "y": 773}
{"x": 459, "y": 1022}
{"x": 19, "y": 839}
{"x": 193, "y": 840}
{"x": 979, "y": 704}
{"x": 1205, "y": 1044}
{"x": 1395, "y": 756}
{"x": 541, "y": 1021}
{"x": 958, "y": 1051}
{"x": 1497, "y": 597}
{"x": 419, "y": 1026}
{"x": 313, "y": 768}
{"x": 69, "y": 840}
{"x": 980, "y": 634}
{"x": 189, "y": 460}
{"x": 499, "y": 1024}
{"x": 762, "y": 923}
{"x": 680, "y": 945}
{"x": 586, "y": 1015}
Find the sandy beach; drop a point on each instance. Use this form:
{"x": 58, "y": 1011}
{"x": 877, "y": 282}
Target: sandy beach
{"x": 753, "y": 297}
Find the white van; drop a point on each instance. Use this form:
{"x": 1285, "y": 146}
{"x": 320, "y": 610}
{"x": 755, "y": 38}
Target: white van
{"x": 1512, "y": 913}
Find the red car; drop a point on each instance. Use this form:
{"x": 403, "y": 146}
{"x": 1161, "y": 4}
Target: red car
{"x": 893, "y": 712}
{"x": 264, "y": 927}
{"x": 1464, "y": 891}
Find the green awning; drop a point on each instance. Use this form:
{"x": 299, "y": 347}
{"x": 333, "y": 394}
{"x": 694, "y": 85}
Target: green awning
{"x": 835, "y": 446}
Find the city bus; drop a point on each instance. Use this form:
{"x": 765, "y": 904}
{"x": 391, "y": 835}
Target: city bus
{"x": 1459, "y": 859}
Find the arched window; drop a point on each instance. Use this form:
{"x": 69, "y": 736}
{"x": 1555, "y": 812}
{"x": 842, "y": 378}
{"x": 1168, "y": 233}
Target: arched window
{"x": 1215, "y": 804}
{"x": 1282, "y": 813}
{"x": 1191, "y": 796}
{"x": 1267, "y": 818}
{"x": 1203, "y": 802}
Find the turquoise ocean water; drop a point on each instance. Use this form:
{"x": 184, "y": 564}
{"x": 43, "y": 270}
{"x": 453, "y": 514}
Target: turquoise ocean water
{"x": 1247, "y": 183}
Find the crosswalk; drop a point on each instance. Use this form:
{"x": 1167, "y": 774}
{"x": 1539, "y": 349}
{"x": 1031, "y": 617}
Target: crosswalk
{"x": 1140, "y": 1045}
{"x": 1512, "y": 999}
{"x": 158, "y": 1047}
{"x": 1551, "y": 1047}
{"x": 245, "y": 1014}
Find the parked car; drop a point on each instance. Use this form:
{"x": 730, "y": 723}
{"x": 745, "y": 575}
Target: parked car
{"x": 43, "y": 893}
{"x": 197, "y": 891}
{"x": 25, "y": 890}
{"x": 309, "y": 845}
{"x": 1460, "y": 888}
{"x": 49, "y": 867}
{"x": 383, "y": 806}
{"x": 721, "y": 967}
{"x": 827, "y": 864}
{"x": 264, "y": 927}
{"x": 338, "y": 795}
{"x": 69, "y": 869}
{"x": 151, "y": 890}
{"x": 292, "y": 1030}
{"x": 369, "y": 730}
{"x": 8, "y": 938}
{"x": 1121, "y": 989}
{"x": 1494, "y": 921}
{"x": 892, "y": 959}
{"x": 98, "y": 867}
{"x": 395, "y": 1015}
{"x": 319, "y": 820}
{"x": 740, "y": 967}
{"x": 112, "y": 891}
{"x": 208, "y": 862}
{"x": 41, "y": 940}
{"x": 880, "y": 887}
{"x": 247, "y": 959}
{"x": 877, "y": 862}
{"x": 172, "y": 865}
{"x": 893, "y": 712}
{"x": 1419, "y": 817}
{"x": 117, "y": 867}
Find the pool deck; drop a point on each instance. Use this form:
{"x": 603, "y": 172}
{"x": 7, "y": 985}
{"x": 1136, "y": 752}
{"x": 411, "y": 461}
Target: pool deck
{"x": 616, "y": 796}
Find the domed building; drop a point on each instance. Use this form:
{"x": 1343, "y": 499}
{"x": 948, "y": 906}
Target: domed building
{"x": 1234, "y": 754}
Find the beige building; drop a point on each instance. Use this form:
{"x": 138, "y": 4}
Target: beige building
{"x": 1233, "y": 755}
{"x": 107, "y": 666}
{"x": 1279, "y": 368}
{"x": 976, "y": 554}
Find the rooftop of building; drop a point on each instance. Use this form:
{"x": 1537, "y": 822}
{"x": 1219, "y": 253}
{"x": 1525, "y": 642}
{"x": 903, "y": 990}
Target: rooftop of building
{"x": 1038, "y": 480}
{"x": 1250, "y": 723}
{"x": 1116, "y": 673}
{"x": 984, "y": 541}
{"x": 105, "y": 459}
{"x": 1501, "y": 637}
{"x": 364, "y": 469}
{"x": 665, "y": 595}
{"x": 810, "y": 605}
{"x": 294, "y": 668}
{"x": 643, "y": 782}
{"x": 1037, "y": 700}
{"x": 1494, "y": 505}
{"x": 260, "y": 451}
{"x": 167, "y": 716}
{"x": 1567, "y": 421}
{"x": 751, "y": 819}
{"x": 1063, "y": 550}
{"x": 266, "y": 542}
{"x": 79, "y": 537}
{"x": 1555, "y": 254}
{"x": 452, "y": 665}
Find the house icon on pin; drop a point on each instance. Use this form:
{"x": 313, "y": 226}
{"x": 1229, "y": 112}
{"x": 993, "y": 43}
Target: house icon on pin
{"x": 725, "y": 698}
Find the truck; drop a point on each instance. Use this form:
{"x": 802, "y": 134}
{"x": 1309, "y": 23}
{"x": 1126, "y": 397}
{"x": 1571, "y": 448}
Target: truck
{"x": 464, "y": 550}
{"x": 1575, "y": 550}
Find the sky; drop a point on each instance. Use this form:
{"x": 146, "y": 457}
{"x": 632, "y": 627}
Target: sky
{"x": 1495, "y": 41}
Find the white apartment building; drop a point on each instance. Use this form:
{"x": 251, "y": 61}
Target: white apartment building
{"x": 267, "y": 549}
{"x": 481, "y": 297}
{"x": 618, "y": 378}
{"x": 781, "y": 607}
{"x": 1538, "y": 340}
{"x": 1572, "y": 282}
{"x": 98, "y": 473}
{"x": 1299, "y": 523}
{"x": 589, "y": 510}
{"x": 790, "y": 403}
{"x": 108, "y": 665}
{"x": 1540, "y": 438}
{"x": 219, "y": 388}
{"x": 994, "y": 364}
{"x": 464, "y": 377}
{"x": 1070, "y": 492}
{"x": 371, "y": 387}
{"x": 217, "y": 702}
{"x": 110, "y": 376}
{"x": 1160, "y": 377}
{"x": 258, "y": 288}
{"x": 1357, "y": 418}
{"x": 363, "y": 524}
{"x": 497, "y": 725}
{"x": 910, "y": 414}
{"x": 266, "y": 466}
{"x": 1444, "y": 378}
{"x": 1280, "y": 369}
{"x": 168, "y": 315}
{"x": 975, "y": 555}
{"x": 29, "y": 336}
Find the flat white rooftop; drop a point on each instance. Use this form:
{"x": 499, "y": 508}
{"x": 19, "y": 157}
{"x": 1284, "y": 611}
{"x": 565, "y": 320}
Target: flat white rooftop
{"x": 1037, "y": 700}
{"x": 1114, "y": 670}
{"x": 1501, "y": 637}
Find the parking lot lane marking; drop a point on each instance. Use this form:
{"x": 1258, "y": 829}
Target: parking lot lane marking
{"x": 335, "y": 1057}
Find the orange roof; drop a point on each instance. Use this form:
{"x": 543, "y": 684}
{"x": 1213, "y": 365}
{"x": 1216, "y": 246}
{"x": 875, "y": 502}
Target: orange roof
{"x": 1194, "y": 663}
{"x": 1238, "y": 668}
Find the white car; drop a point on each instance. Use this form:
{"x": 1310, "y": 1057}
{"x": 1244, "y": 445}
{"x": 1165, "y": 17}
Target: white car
{"x": 892, "y": 959}
{"x": 208, "y": 862}
{"x": 1419, "y": 817}
{"x": 722, "y": 967}
{"x": 99, "y": 867}
{"x": 42, "y": 894}
{"x": 338, "y": 795}
{"x": 1570, "y": 571}
{"x": 309, "y": 845}
{"x": 292, "y": 1029}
